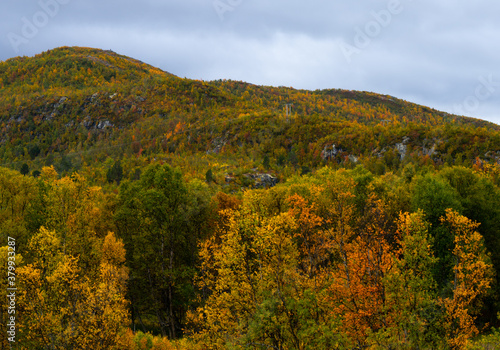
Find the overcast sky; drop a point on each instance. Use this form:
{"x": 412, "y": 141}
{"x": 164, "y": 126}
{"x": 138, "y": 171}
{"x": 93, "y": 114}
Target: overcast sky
{"x": 440, "y": 53}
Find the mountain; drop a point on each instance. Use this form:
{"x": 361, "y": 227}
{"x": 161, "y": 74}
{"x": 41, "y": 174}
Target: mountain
{"x": 77, "y": 107}
{"x": 377, "y": 227}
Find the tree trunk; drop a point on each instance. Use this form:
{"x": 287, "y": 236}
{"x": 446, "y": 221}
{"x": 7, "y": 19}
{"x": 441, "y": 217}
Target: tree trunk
{"x": 171, "y": 310}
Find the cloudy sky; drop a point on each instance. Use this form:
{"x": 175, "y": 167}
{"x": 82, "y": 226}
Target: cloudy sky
{"x": 440, "y": 53}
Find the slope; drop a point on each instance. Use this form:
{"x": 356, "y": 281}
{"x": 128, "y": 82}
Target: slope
{"x": 79, "y": 107}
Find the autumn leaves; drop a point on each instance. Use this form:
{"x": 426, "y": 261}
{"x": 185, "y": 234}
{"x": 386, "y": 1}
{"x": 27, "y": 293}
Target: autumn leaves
{"x": 299, "y": 268}
{"x": 325, "y": 261}
{"x": 72, "y": 278}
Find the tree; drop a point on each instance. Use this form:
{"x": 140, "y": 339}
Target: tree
{"x": 25, "y": 169}
{"x": 412, "y": 306}
{"x": 153, "y": 217}
{"x": 65, "y": 307}
{"x": 34, "y": 151}
{"x": 479, "y": 198}
{"x": 266, "y": 163}
{"x": 17, "y": 195}
{"x": 263, "y": 290}
{"x": 357, "y": 291}
{"x": 73, "y": 209}
{"x": 209, "y": 177}
{"x": 434, "y": 196}
{"x": 115, "y": 173}
{"x": 472, "y": 277}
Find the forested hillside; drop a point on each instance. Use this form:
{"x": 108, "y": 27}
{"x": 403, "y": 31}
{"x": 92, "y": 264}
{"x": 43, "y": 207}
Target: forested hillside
{"x": 148, "y": 211}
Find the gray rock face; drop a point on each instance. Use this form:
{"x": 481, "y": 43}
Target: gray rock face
{"x": 103, "y": 124}
{"x": 329, "y": 153}
{"x": 353, "y": 158}
{"x": 402, "y": 147}
{"x": 55, "y": 108}
{"x": 429, "y": 151}
{"x": 263, "y": 180}
{"x": 217, "y": 145}
{"x": 88, "y": 123}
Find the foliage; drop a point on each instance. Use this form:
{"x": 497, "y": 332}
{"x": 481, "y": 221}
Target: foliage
{"x": 357, "y": 221}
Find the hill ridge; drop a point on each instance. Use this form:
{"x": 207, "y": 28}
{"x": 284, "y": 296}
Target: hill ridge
{"x": 78, "y": 101}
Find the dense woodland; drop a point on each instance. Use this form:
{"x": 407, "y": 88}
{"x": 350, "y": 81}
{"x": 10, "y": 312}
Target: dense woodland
{"x": 154, "y": 212}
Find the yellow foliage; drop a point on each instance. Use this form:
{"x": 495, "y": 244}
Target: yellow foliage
{"x": 473, "y": 274}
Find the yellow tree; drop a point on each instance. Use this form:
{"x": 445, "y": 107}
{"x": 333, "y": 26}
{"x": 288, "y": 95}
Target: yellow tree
{"x": 76, "y": 211}
{"x": 317, "y": 252}
{"x": 17, "y": 192}
{"x": 472, "y": 277}
{"x": 230, "y": 276}
{"x": 65, "y": 307}
{"x": 358, "y": 291}
{"x": 267, "y": 280}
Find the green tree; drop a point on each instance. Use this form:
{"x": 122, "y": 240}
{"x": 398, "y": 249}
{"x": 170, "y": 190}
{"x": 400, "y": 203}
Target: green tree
{"x": 411, "y": 290}
{"x": 34, "y": 151}
{"x": 17, "y": 197}
{"x": 434, "y": 196}
{"x": 115, "y": 173}
{"x": 479, "y": 198}
{"x": 156, "y": 219}
{"x": 266, "y": 163}
{"x": 209, "y": 176}
{"x": 25, "y": 169}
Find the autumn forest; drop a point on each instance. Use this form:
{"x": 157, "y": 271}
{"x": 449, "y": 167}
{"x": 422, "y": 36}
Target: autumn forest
{"x": 140, "y": 210}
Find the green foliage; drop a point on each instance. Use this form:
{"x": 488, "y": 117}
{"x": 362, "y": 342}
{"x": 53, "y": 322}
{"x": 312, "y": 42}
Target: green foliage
{"x": 209, "y": 176}
{"x": 25, "y": 169}
{"x": 115, "y": 173}
{"x": 160, "y": 223}
{"x": 34, "y": 151}
{"x": 490, "y": 341}
{"x": 433, "y": 196}
{"x": 266, "y": 162}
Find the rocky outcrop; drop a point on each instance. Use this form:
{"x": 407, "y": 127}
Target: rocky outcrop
{"x": 330, "y": 152}
{"x": 263, "y": 180}
{"x": 493, "y": 156}
{"x": 353, "y": 158}
{"x": 56, "y": 107}
{"x": 216, "y": 145}
{"x": 88, "y": 123}
{"x": 104, "y": 124}
{"x": 402, "y": 147}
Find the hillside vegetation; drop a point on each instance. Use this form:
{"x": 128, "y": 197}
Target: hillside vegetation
{"x": 149, "y": 211}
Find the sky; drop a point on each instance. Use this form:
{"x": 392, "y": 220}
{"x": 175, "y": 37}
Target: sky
{"x": 440, "y": 53}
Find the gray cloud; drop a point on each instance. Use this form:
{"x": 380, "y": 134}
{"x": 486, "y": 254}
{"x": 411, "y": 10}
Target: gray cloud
{"x": 436, "y": 53}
